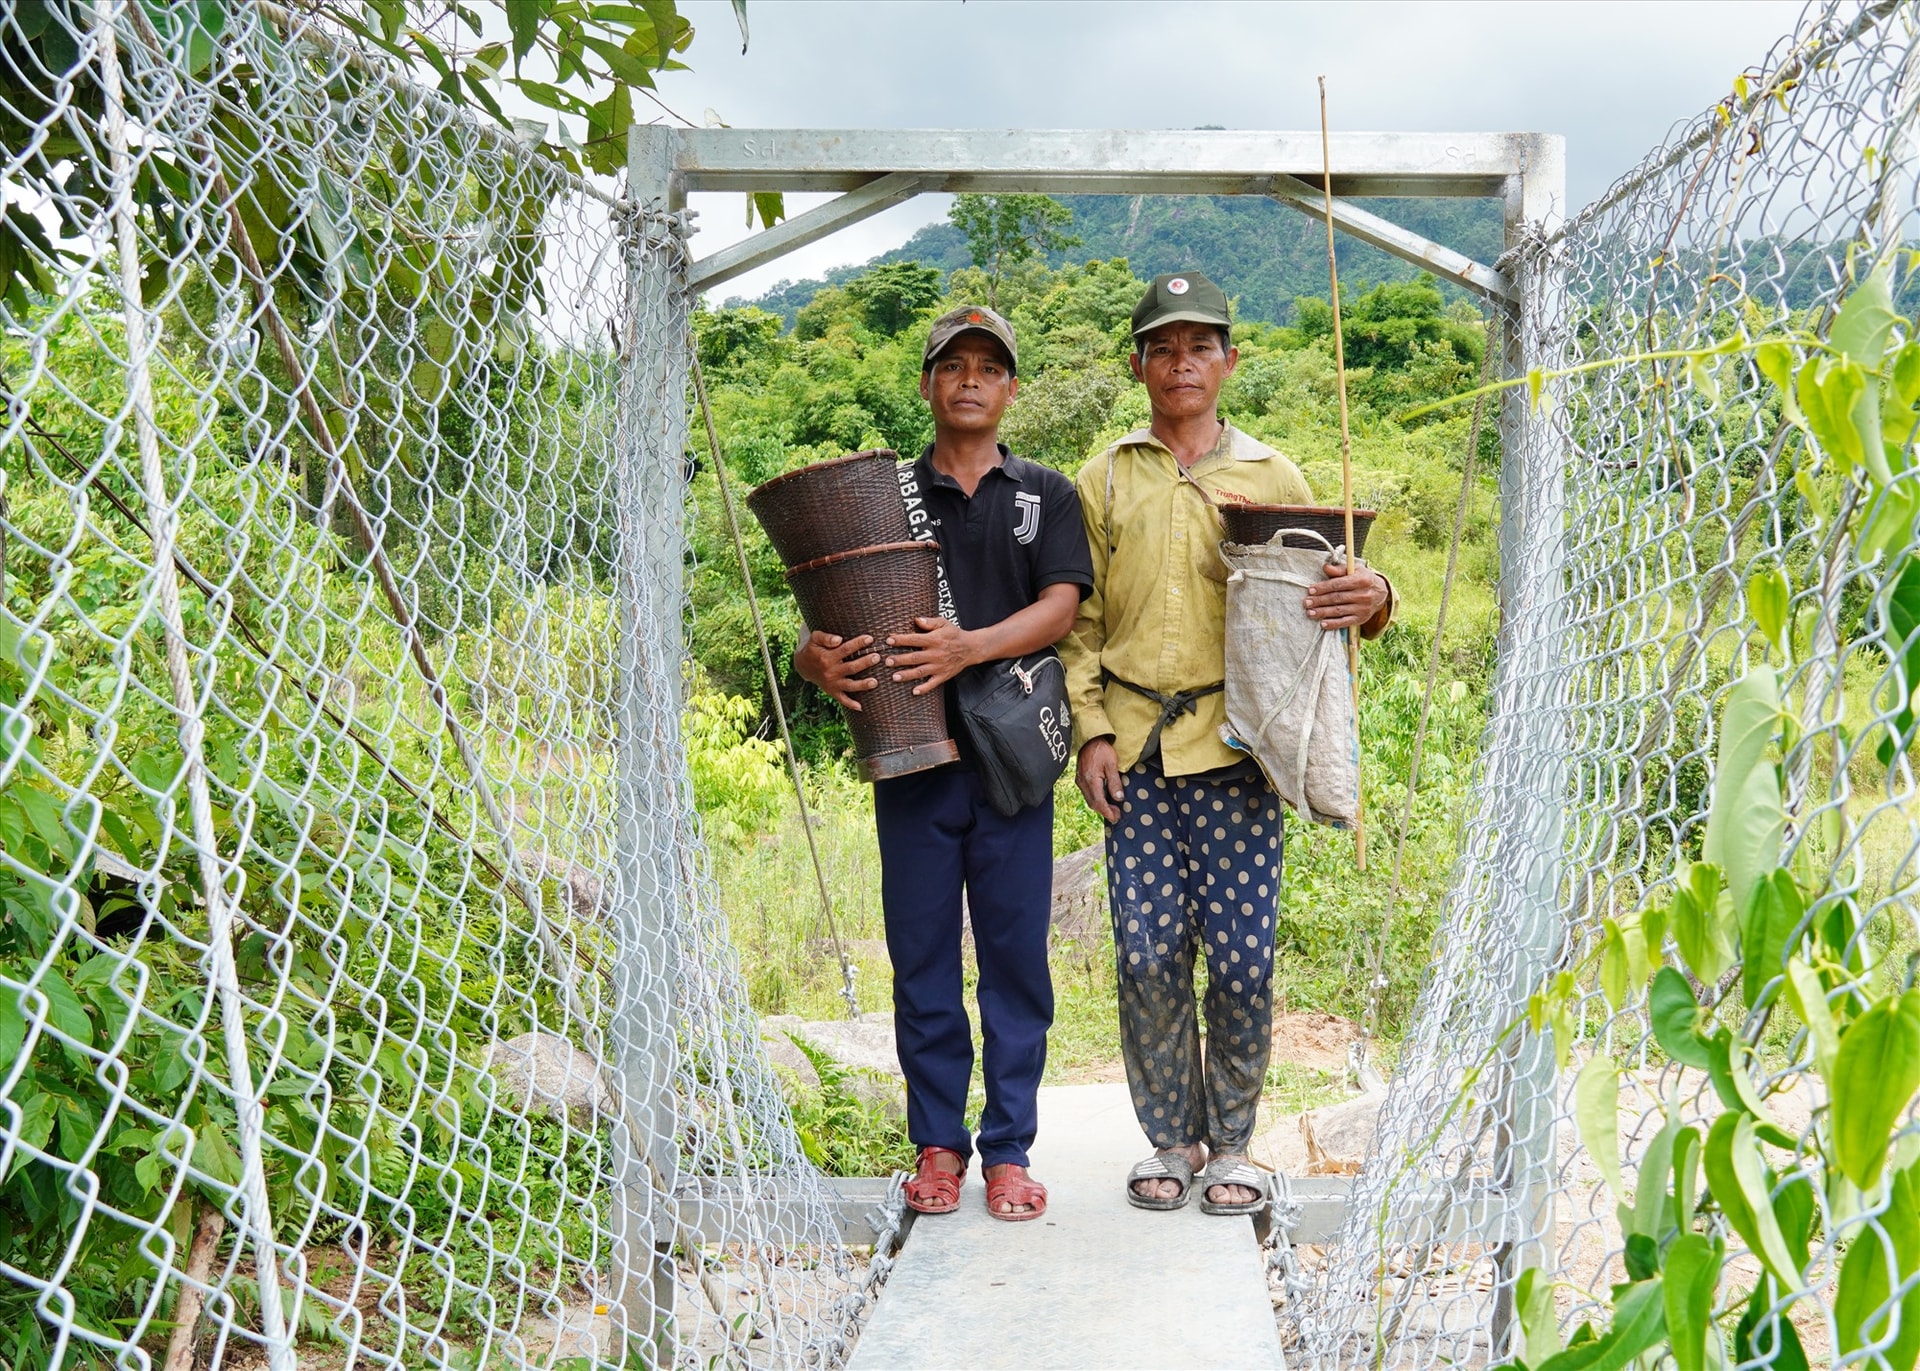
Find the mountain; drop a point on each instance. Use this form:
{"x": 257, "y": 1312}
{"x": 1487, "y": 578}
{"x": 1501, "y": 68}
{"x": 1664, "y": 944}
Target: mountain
{"x": 1261, "y": 252}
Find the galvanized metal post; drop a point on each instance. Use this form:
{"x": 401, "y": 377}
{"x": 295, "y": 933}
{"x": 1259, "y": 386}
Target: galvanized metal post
{"x": 1526, "y": 768}
{"x": 648, "y": 573}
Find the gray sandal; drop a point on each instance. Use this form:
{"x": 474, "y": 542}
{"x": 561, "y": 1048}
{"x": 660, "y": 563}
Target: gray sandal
{"x": 1161, "y": 1166}
{"x": 1233, "y": 1171}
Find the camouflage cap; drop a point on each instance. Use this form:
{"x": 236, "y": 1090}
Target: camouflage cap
{"x": 1181, "y": 297}
{"x": 969, "y": 319}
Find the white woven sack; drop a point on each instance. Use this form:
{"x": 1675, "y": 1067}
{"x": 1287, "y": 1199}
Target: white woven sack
{"x": 1289, "y": 699}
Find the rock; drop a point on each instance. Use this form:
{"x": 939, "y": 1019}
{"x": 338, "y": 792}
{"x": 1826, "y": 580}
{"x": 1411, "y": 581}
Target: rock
{"x": 1316, "y": 1041}
{"x": 577, "y": 1334}
{"x": 866, "y": 1043}
{"x": 789, "y": 1060}
{"x": 585, "y": 894}
{"x": 1339, "y": 1136}
{"x": 888, "y": 1094}
{"x": 544, "y": 1073}
{"x": 1080, "y": 894}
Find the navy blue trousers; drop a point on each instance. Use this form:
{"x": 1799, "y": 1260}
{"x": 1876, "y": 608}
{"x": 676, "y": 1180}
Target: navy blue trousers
{"x": 938, "y": 835}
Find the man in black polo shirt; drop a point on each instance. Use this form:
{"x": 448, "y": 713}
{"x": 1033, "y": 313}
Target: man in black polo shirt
{"x": 1015, "y": 551}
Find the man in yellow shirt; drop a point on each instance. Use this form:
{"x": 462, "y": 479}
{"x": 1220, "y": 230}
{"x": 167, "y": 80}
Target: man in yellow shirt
{"x": 1193, "y": 828}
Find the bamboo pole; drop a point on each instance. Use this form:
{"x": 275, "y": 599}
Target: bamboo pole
{"x": 1346, "y": 476}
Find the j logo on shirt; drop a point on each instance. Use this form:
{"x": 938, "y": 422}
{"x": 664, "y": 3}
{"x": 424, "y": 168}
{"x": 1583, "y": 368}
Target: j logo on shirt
{"x": 1029, "y": 517}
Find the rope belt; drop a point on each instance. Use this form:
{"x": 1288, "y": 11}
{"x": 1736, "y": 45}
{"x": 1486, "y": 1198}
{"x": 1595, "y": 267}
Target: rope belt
{"x": 1171, "y": 706}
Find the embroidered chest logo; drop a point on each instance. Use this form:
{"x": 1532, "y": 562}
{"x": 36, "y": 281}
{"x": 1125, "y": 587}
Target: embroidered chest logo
{"x": 1029, "y": 524}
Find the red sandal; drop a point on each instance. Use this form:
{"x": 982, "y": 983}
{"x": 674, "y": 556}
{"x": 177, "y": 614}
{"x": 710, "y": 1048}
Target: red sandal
{"x": 1014, "y": 1186}
{"x": 933, "y": 1191}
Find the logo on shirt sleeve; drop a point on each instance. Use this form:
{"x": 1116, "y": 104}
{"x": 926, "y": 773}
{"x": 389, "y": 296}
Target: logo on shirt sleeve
{"x": 1029, "y": 506}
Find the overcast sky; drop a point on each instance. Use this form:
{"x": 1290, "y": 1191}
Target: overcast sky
{"x": 1612, "y": 77}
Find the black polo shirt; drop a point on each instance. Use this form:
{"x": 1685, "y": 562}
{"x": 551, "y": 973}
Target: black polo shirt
{"x": 1018, "y": 533}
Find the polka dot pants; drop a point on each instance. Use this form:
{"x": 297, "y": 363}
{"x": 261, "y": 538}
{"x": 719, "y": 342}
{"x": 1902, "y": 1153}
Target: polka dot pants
{"x": 1194, "y": 862}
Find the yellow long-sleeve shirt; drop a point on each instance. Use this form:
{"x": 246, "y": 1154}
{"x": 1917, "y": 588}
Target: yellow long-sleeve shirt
{"x": 1157, "y": 614}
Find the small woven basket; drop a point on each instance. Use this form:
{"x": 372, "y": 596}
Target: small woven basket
{"x": 1253, "y": 525}
{"x": 882, "y": 590}
{"x": 833, "y": 506}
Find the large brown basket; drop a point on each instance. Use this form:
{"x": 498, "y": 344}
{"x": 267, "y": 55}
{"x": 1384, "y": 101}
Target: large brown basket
{"x": 881, "y": 590}
{"x": 1252, "y": 525}
{"x": 833, "y": 506}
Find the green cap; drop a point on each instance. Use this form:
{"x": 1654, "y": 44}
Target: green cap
{"x": 1181, "y": 297}
{"x": 969, "y": 319}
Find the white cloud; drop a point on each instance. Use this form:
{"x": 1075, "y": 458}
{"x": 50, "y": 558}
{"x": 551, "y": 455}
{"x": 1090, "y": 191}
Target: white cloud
{"x": 1613, "y": 77}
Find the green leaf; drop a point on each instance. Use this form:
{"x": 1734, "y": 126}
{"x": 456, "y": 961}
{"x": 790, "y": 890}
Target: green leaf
{"x": 1675, "y": 1015}
{"x": 1641, "y": 1257}
{"x": 1902, "y": 642}
{"x": 1539, "y": 1324}
{"x": 64, "y": 1010}
{"x": 1876, "y": 1263}
{"x": 1773, "y": 918}
{"x": 1904, "y": 375}
{"x": 1746, "y": 819}
{"x": 1700, "y": 376}
{"x": 1875, "y": 1074}
{"x": 1651, "y": 1205}
{"x": 1733, "y": 1082}
{"x": 1890, "y": 518}
{"x": 214, "y": 1155}
{"x": 1865, "y": 322}
{"x": 1687, "y": 1150}
{"x": 1596, "y": 1111}
{"x": 1776, "y": 361}
{"x": 1639, "y": 1322}
{"x": 13, "y": 1027}
{"x": 1807, "y": 997}
{"x": 43, "y": 813}
{"x": 1739, "y": 1181}
{"x": 1841, "y": 404}
{"x": 1613, "y": 964}
{"x": 740, "y": 18}
{"x": 1693, "y": 1267}
{"x": 1767, "y": 595}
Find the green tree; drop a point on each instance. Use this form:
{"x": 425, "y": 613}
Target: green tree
{"x": 1003, "y": 230}
{"x": 893, "y": 295}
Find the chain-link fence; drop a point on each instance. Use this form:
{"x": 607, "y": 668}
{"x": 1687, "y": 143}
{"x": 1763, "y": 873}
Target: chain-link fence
{"x": 364, "y": 998}
{"x": 1700, "y": 756}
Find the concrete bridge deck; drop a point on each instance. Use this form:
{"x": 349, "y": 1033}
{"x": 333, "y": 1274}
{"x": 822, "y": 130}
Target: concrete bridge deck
{"x": 1096, "y": 1283}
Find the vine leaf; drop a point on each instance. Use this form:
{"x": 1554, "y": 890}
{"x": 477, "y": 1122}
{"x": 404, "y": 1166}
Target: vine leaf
{"x": 1773, "y": 917}
{"x": 1861, "y": 1310}
{"x": 1739, "y": 1181}
{"x": 1596, "y": 1111}
{"x": 1902, "y": 615}
{"x": 1639, "y": 1322}
{"x": 1747, "y": 818}
{"x": 1699, "y": 923}
{"x": 1676, "y": 1017}
{"x": 1539, "y": 1326}
{"x": 1693, "y": 1266}
{"x": 1875, "y": 1074}
{"x": 1652, "y": 1209}
{"x": 1866, "y": 320}
{"x": 1767, "y": 596}
{"x": 1807, "y": 997}
{"x": 1763, "y": 1338}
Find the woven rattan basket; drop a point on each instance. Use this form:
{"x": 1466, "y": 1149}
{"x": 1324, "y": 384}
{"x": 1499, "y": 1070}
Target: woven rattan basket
{"x": 881, "y": 590}
{"x": 1252, "y": 525}
{"x": 834, "y": 506}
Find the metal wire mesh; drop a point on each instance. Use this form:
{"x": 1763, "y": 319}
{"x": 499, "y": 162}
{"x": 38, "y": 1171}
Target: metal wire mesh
{"x": 1640, "y": 500}
{"x": 364, "y": 996}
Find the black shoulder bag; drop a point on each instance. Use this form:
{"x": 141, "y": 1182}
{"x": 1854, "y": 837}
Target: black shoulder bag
{"x": 1014, "y": 710}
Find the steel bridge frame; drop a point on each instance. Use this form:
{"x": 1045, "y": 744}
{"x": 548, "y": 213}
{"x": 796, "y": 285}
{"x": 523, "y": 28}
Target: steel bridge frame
{"x": 874, "y": 169}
